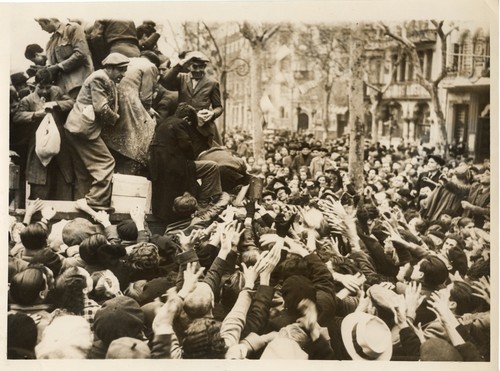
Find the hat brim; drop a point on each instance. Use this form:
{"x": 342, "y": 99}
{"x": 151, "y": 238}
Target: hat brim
{"x": 346, "y": 327}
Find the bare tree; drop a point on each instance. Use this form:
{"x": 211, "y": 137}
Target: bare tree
{"x": 327, "y": 46}
{"x": 377, "y": 94}
{"x": 431, "y": 86}
{"x": 356, "y": 107}
{"x": 258, "y": 36}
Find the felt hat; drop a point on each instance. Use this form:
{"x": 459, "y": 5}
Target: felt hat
{"x": 118, "y": 317}
{"x": 66, "y": 337}
{"x": 439, "y": 160}
{"x": 436, "y": 349}
{"x": 116, "y": 60}
{"x": 366, "y": 337}
{"x": 127, "y": 347}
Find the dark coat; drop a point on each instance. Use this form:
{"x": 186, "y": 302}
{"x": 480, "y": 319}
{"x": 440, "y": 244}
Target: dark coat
{"x": 205, "y": 95}
{"x": 171, "y": 166}
{"x": 61, "y": 165}
{"x": 421, "y": 183}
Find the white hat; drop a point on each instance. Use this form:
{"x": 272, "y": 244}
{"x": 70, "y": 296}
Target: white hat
{"x": 366, "y": 337}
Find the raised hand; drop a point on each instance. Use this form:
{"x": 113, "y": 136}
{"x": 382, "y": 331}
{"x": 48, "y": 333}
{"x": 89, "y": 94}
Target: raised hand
{"x": 482, "y": 289}
{"x": 191, "y": 241}
{"x": 191, "y": 275}
{"x": 413, "y": 299}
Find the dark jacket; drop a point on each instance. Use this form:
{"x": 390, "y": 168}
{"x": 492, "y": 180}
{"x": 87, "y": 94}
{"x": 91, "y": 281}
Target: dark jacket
{"x": 171, "y": 166}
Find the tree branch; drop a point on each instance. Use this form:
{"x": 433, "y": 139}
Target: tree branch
{"x": 219, "y": 55}
{"x": 269, "y": 33}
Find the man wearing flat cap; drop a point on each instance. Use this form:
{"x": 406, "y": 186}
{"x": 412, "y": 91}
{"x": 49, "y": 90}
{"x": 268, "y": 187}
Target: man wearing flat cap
{"x": 199, "y": 91}
{"x": 68, "y": 54}
{"x": 95, "y": 107}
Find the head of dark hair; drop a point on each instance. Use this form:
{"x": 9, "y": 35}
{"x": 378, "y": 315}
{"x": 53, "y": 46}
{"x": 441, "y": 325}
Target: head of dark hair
{"x": 43, "y": 76}
{"x": 203, "y": 340}
{"x": 69, "y": 291}
{"x": 31, "y": 50}
{"x": 34, "y": 236}
{"x": 25, "y": 287}
{"x": 462, "y": 294}
{"x": 186, "y": 112}
{"x": 185, "y": 205}
{"x": 434, "y": 270}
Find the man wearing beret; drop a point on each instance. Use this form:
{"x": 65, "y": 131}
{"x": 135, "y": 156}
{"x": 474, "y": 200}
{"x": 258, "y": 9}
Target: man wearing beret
{"x": 68, "y": 54}
{"x": 199, "y": 91}
{"x": 96, "y": 106}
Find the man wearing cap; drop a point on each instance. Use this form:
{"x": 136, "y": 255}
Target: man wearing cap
{"x": 430, "y": 177}
{"x": 68, "y": 54}
{"x": 129, "y": 139}
{"x": 199, "y": 91}
{"x": 304, "y": 158}
{"x": 96, "y": 106}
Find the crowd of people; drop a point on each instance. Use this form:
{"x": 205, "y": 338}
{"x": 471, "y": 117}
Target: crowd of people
{"x": 274, "y": 258}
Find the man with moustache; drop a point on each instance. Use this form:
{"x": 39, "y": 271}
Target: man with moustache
{"x": 199, "y": 91}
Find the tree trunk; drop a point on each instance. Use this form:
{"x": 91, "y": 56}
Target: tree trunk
{"x": 436, "y": 104}
{"x": 373, "y": 112}
{"x": 326, "y": 121}
{"x": 356, "y": 110}
{"x": 256, "y": 94}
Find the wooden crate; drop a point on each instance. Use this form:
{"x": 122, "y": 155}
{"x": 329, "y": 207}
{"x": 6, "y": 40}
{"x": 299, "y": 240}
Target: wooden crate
{"x": 130, "y": 191}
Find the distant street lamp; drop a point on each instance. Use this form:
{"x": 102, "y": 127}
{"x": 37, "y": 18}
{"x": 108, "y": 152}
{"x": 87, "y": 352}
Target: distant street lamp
{"x": 241, "y": 67}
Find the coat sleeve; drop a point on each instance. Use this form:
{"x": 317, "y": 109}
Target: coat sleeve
{"x": 323, "y": 282}
{"x": 148, "y": 84}
{"x": 235, "y": 320}
{"x": 172, "y": 80}
{"x": 24, "y": 113}
{"x": 80, "y": 49}
{"x": 258, "y": 314}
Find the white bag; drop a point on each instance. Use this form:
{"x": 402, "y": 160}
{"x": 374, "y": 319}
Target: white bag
{"x": 48, "y": 140}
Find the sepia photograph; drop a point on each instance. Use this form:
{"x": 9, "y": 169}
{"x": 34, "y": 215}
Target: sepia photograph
{"x": 266, "y": 181}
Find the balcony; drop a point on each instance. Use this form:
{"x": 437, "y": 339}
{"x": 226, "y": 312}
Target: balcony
{"x": 422, "y": 36}
{"x": 408, "y": 90}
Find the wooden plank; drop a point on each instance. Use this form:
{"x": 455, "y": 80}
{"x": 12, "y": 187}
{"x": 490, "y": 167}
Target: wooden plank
{"x": 129, "y": 185}
{"x": 123, "y": 204}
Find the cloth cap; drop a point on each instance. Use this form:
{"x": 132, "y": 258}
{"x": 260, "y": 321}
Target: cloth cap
{"x": 66, "y": 337}
{"x": 439, "y": 350}
{"x": 118, "y": 317}
{"x": 116, "y": 60}
{"x": 127, "y": 347}
{"x": 366, "y": 337}
{"x": 197, "y": 56}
